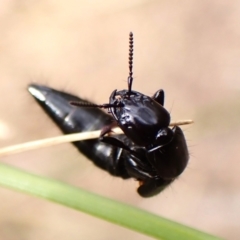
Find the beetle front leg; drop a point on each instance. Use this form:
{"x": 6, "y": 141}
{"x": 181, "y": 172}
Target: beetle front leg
{"x": 108, "y": 129}
{"x": 139, "y": 168}
{"x": 153, "y": 186}
{"x": 150, "y": 183}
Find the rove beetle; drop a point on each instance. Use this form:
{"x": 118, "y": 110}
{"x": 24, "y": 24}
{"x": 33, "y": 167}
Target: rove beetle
{"x": 148, "y": 151}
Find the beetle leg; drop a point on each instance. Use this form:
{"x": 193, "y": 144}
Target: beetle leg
{"x": 115, "y": 142}
{"x": 153, "y": 186}
{"x": 150, "y": 182}
{"x": 108, "y": 129}
{"x": 159, "y": 97}
{"x": 139, "y": 169}
{"x": 136, "y": 162}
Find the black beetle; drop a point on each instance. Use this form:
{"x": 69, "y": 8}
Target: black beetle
{"x": 149, "y": 150}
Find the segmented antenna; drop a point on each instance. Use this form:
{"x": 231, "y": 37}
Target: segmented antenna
{"x": 87, "y": 104}
{"x": 130, "y": 78}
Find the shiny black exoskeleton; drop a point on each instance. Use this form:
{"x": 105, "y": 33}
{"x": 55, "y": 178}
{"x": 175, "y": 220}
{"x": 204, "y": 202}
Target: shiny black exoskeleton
{"x": 148, "y": 151}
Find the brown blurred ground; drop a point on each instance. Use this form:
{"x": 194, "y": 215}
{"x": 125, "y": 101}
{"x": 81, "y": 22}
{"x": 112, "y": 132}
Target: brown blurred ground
{"x": 191, "y": 49}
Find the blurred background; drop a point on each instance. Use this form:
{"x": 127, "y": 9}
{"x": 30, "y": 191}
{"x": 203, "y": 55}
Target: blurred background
{"x": 189, "y": 48}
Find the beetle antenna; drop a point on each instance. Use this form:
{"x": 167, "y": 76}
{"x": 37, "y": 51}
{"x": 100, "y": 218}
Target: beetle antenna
{"x": 130, "y": 80}
{"x": 130, "y": 77}
{"x": 87, "y": 104}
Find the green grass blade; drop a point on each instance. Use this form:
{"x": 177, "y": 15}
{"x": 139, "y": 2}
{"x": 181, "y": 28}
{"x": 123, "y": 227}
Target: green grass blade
{"x": 104, "y": 208}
